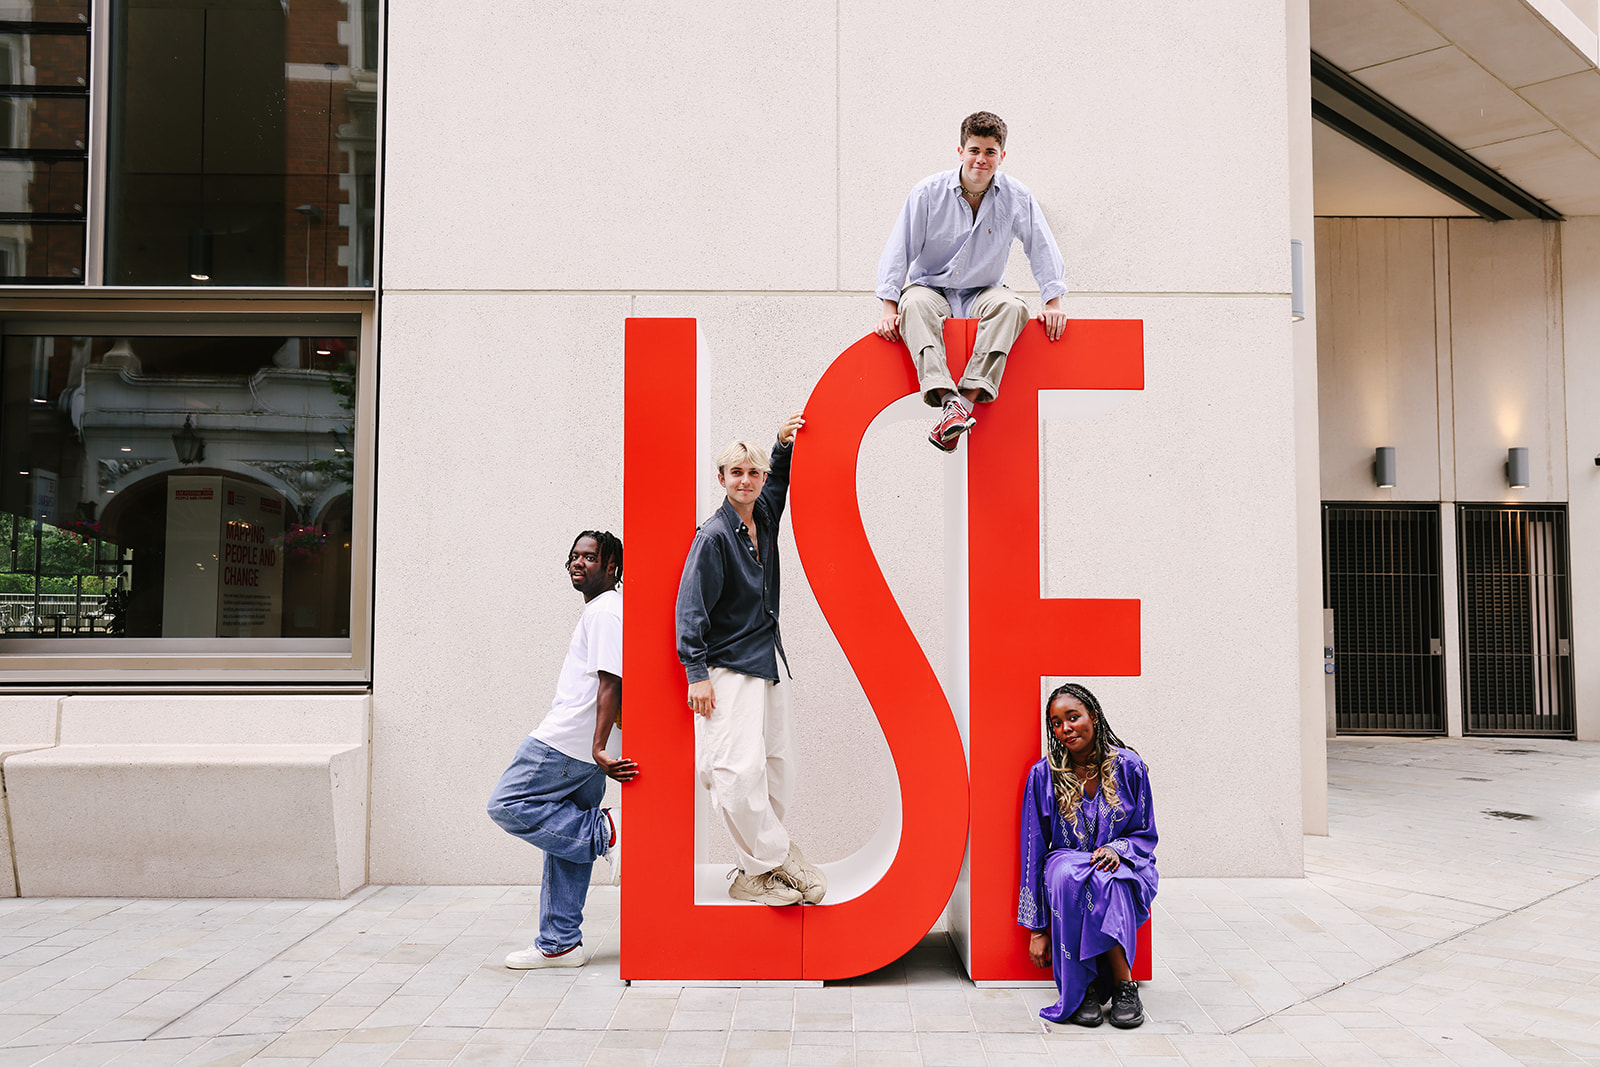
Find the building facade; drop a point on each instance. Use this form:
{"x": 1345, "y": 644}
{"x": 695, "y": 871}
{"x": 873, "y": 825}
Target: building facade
{"x": 363, "y": 275}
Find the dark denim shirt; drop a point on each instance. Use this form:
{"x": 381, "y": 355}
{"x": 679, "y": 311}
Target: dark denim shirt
{"x": 728, "y": 599}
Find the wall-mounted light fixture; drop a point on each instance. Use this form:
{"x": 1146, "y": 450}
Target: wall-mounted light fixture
{"x": 1297, "y": 279}
{"x": 1383, "y": 466}
{"x": 1517, "y": 468}
{"x": 190, "y": 446}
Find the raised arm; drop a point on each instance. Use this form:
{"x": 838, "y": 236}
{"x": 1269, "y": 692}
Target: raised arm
{"x": 776, "y": 491}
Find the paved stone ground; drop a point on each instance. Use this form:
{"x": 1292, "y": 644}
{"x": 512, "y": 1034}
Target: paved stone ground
{"x": 1453, "y": 917}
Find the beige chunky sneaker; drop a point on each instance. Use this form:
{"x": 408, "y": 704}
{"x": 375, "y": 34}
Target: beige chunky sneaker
{"x": 803, "y": 875}
{"x": 764, "y": 888}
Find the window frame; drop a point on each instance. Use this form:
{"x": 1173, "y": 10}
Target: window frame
{"x": 187, "y": 661}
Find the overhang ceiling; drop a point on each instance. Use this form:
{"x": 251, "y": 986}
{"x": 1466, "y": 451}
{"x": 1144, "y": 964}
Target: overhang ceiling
{"x": 1514, "y": 83}
{"x": 1349, "y": 180}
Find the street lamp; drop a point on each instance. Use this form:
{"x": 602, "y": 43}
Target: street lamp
{"x": 191, "y": 446}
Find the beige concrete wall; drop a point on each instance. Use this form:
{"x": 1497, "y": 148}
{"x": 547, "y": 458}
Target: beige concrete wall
{"x": 745, "y": 171}
{"x": 1377, "y": 349}
{"x": 1580, "y": 284}
{"x": 1308, "y": 474}
{"x": 1506, "y": 357}
{"x": 1443, "y": 338}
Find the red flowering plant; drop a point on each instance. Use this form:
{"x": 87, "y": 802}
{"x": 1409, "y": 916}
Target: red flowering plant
{"x": 302, "y": 542}
{"x": 80, "y": 530}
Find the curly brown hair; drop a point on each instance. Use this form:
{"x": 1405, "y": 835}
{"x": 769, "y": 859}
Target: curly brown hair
{"x": 983, "y": 124}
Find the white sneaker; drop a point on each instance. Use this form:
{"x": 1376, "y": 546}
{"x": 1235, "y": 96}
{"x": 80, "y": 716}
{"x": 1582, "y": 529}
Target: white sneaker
{"x": 803, "y": 875}
{"x": 531, "y": 958}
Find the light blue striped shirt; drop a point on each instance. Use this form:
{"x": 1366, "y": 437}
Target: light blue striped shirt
{"x": 936, "y": 242}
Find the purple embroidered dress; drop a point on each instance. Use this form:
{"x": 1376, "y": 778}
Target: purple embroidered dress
{"x": 1086, "y": 910}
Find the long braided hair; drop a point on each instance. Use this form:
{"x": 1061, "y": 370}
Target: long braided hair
{"x": 610, "y": 549}
{"x": 1069, "y": 790}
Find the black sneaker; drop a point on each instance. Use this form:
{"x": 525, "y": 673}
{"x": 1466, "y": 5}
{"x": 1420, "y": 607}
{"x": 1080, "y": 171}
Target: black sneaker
{"x": 1088, "y": 1013}
{"x": 1126, "y": 1011}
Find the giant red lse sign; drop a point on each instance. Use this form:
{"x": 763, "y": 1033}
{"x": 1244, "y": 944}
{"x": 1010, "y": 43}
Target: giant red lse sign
{"x": 952, "y": 802}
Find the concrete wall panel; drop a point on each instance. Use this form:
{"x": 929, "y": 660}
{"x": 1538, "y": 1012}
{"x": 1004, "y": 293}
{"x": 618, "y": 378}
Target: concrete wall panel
{"x": 1112, "y": 102}
{"x": 643, "y": 144}
{"x": 1580, "y": 279}
{"x": 500, "y": 438}
{"x": 1506, "y": 357}
{"x": 745, "y": 171}
{"x": 1376, "y": 356}
{"x": 1202, "y": 451}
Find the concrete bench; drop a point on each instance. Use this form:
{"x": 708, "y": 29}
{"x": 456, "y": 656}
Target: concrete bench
{"x": 194, "y": 796}
{"x": 27, "y": 723}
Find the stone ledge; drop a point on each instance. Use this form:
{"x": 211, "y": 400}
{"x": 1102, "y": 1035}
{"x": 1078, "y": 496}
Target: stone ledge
{"x": 189, "y": 820}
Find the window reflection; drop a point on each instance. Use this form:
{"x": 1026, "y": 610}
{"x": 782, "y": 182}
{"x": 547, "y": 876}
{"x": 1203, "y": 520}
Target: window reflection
{"x": 44, "y": 133}
{"x": 242, "y": 143}
{"x": 180, "y": 487}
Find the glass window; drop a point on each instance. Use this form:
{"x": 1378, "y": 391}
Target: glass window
{"x": 44, "y": 136}
{"x": 241, "y": 144}
{"x": 196, "y": 487}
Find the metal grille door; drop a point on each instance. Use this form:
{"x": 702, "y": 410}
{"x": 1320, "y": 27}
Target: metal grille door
{"x": 1381, "y": 578}
{"x": 1516, "y": 620}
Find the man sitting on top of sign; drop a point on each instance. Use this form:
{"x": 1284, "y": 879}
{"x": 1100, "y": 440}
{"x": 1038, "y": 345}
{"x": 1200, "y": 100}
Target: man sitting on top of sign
{"x": 947, "y": 258}
{"x": 729, "y": 645}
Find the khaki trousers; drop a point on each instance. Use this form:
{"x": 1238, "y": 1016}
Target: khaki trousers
{"x": 745, "y": 756}
{"x": 1001, "y": 315}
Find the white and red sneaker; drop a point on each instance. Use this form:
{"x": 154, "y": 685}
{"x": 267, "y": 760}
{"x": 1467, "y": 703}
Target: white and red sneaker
{"x": 956, "y": 420}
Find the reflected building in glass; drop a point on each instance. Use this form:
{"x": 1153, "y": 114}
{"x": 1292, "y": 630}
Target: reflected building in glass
{"x": 239, "y": 143}
{"x": 177, "y": 486}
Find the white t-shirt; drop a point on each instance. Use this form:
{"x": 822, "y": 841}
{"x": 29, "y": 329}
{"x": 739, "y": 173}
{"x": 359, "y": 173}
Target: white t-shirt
{"x": 596, "y": 646}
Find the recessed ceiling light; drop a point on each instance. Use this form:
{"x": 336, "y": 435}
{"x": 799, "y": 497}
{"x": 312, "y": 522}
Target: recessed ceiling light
{"x": 127, "y": 449}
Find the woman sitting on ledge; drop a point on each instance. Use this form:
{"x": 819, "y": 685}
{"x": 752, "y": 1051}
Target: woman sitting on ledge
{"x": 1088, "y": 862}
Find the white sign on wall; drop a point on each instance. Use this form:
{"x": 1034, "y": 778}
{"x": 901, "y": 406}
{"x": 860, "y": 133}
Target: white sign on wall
{"x": 224, "y": 568}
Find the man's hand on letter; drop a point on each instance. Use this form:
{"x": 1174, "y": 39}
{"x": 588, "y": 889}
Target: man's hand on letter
{"x": 702, "y": 701}
{"x": 620, "y": 770}
{"x": 888, "y": 327}
{"x": 790, "y": 427}
{"x": 1054, "y": 317}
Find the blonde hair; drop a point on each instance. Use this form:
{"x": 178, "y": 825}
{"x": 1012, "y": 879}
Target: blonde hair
{"x": 743, "y": 452}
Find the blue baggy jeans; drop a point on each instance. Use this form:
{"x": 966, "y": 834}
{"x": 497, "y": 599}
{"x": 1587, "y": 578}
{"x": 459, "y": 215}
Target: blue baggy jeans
{"x": 552, "y": 801}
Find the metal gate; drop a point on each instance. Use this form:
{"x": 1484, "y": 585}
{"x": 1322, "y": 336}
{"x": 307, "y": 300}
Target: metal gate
{"x": 1381, "y": 577}
{"x": 1516, "y": 619}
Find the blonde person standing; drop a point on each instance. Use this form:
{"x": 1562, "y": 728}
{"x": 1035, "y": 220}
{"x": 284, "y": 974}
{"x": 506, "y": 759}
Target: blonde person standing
{"x": 729, "y": 644}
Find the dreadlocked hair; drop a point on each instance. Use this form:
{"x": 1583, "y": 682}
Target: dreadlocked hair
{"x": 610, "y": 549}
{"x": 1069, "y": 790}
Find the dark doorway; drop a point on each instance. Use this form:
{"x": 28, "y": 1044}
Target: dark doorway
{"x": 1381, "y": 578}
{"x": 1516, "y": 619}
